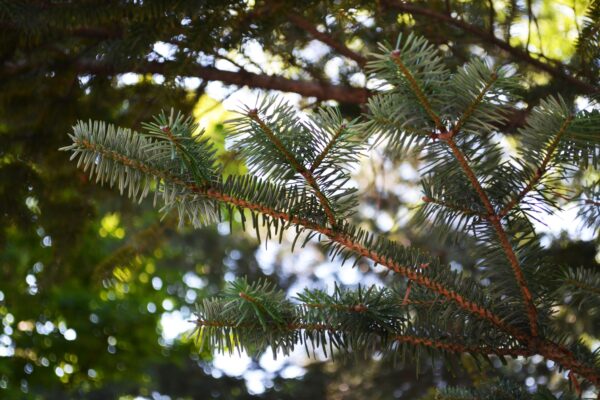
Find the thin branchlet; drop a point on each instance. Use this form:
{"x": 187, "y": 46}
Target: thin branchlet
{"x": 298, "y": 167}
{"x": 443, "y": 345}
{"x": 539, "y": 172}
{"x": 473, "y": 105}
{"x": 327, "y": 148}
{"x": 417, "y": 90}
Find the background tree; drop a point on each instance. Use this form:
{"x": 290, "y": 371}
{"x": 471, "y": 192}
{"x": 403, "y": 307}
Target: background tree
{"x": 61, "y": 62}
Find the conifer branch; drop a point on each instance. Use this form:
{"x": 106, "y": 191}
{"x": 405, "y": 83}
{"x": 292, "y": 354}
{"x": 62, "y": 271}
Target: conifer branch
{"x": 471, "y": 108}
{"x": 135, "y": 164}
{"x": 428, "y": 283}
{"x": 540, "y": 171}
{"x": 327, "y": 148}
{"x": 443, "y": 345}
{"x": 304, "y": 166}
{"x": 548, "y": 349}
{"x": 417, "y": 90}
{"x": 290, "y": 327}
{"x": 335, "y": 236}
{"x": 367, "y": 319}
{"x": 301, "y": 169}
{"x": 447, "y": 136}
{"x": 504, "y": 242}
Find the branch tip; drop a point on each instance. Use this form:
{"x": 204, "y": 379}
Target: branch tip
{"x": 246, "y": 297}
{"x": 360, "y": 308}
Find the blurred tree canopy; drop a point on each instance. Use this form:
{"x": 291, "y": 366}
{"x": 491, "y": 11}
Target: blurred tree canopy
{"x": 89, "y": 283}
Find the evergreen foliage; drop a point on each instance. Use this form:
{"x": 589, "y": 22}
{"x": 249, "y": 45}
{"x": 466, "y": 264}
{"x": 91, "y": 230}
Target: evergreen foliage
{"x": 298, "y": 180}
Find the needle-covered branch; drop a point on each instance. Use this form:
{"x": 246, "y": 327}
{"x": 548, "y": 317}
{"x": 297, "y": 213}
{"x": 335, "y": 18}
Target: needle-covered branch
{"x": 300, "y": 169}
{"x": 283, "y": 206}
{"x": 556, "y": 144}
{"x": 447, "y": 136}
{"x": 256, "y": 316}
{"x": 456, "y": 146}
{"x": 315, "y": 153}
{"x": 300, "y": 174}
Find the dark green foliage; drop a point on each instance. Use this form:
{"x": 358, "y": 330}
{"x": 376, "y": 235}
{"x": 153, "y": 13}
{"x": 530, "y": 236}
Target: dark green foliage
{"x": 256, "y": 316}
{"x": 288, "y": 200}
{"x": 362, "y": 321}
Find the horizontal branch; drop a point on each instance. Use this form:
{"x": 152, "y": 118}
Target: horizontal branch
{"x": 443, "y": 345}
{"x": 321, "y": 91}
{"x": 333, "y": 235}
{"x": 359, "y": 249}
